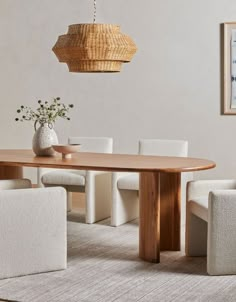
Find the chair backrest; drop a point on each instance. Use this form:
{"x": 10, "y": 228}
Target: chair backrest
{"x": 163, "y": 147}
{"x": 93, "y": 144}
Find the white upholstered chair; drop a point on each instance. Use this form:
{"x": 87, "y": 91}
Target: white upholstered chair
{"x": 125, "y": 186}
{"x": 32, "y": 229}
{"x": 211, "y": 224}
{"x": 95, "y": 184}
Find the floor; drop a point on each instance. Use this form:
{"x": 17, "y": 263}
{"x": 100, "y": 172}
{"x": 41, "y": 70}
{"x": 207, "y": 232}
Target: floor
{"x": 103, "y": 266}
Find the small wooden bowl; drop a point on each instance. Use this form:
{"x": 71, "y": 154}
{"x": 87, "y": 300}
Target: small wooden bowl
{"x": 66, "y": 150}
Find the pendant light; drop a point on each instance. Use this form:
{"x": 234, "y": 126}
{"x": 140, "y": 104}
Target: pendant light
{"x": 94, "y": 47}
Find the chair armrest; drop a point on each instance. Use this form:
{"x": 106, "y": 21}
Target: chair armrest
{"x": 187, "y": 176}
{"x": 11, "y": 184}
{"x": 40, "y": 173}
{"x": 97, "y": 181}
{"x": 91, "y": 173}
{"x": 200, "y": 188}
{"x": 96, "y": 178}
{"x": 98, "y": 195}
{"x": 117, "y": 175}
{"x": 221, "y": 247}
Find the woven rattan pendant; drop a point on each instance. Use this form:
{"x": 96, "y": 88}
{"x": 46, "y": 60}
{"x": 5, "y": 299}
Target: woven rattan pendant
{"x": 94, "y": 47}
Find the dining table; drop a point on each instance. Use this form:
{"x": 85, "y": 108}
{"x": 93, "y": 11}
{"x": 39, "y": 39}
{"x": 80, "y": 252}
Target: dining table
{"x": 159, "y": 188}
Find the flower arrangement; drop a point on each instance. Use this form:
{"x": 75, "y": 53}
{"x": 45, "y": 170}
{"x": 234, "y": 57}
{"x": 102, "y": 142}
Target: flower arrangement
{"x": 46, "y": 113}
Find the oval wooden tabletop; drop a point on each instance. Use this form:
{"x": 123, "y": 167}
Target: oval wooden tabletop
{"x": 106, "y": 162}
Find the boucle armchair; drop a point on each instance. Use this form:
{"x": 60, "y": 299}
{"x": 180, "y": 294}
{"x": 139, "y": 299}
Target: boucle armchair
{"x": 95, "y": 184}
{"x": 211, "y": 224}
{"x": 32, "y": 229}
{"x": 125, "y": 186}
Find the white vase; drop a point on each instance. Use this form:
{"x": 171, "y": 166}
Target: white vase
{"x": 43, "y": 139}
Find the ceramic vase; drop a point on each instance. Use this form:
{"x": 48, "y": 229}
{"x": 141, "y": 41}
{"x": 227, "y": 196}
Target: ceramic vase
{"x": 44, "y": 137}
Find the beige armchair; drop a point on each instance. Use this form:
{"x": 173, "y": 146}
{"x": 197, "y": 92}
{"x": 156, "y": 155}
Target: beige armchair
{"x": 32, "y": 229}
{"x": 211, "y": 224}
{"x": 95, "y": 184}
{"x": 125, "y": 186}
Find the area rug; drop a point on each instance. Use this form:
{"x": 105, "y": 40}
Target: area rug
{"x": 103, "y": 266}
{"x": 1, "y": 300}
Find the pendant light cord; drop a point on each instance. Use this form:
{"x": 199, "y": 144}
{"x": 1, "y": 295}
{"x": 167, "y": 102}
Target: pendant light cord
{"x": 94, "y": 11}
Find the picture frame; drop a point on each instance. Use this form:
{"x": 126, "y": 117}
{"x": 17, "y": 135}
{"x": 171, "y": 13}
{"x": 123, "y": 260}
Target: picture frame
{"x": 229, "y": 68}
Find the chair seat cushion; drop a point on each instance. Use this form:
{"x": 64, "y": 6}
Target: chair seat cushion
{"x": 129, "y": 182}
{"x": 199, "y": 207}
{"x": 64, "y": 177}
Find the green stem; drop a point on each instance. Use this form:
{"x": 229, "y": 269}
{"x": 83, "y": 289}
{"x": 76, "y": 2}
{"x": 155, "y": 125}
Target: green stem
{"x": 35, "y": 126}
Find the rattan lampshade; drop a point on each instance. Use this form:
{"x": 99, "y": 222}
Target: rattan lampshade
{"x": 94, "y": 48}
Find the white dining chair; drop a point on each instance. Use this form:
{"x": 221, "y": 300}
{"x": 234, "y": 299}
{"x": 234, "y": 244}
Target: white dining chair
{"x": 125, "y": 186}
{"x": 95, "y": 184}
{"x": 211, "y": 224}
{"x": 32, "y": 229}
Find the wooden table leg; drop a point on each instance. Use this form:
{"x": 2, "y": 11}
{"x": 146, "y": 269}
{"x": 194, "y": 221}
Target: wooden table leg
{"x": 9, "y": 172}
{"x": 149, "y": 217}
{"x": 170, "y": 211}
{"x": 159, "y": 222}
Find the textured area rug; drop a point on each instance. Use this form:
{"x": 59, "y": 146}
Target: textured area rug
{"x": 7, "y": 300}
{"x": 103, "y": 266}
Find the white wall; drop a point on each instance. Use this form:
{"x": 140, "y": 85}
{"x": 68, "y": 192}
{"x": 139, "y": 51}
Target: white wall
{"x": 170, "y": 90}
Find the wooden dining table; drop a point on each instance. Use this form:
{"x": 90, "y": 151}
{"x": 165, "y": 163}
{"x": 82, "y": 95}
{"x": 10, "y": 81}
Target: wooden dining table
{"x": 159, "y": 188}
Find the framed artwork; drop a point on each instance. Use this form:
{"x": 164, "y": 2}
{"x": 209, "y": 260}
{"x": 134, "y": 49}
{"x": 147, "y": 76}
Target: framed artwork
{"x": 229, "y": 66}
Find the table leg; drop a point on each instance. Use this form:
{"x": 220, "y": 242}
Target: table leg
{"x": 9, "y": 172}
{"x": 170, "y": 211}
{"x": 159, "y": 225}
{"x": 149, "y": 217}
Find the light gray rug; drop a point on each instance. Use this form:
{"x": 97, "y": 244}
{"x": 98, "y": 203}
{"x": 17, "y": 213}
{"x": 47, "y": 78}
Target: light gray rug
{"x": 103, "y": 266}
